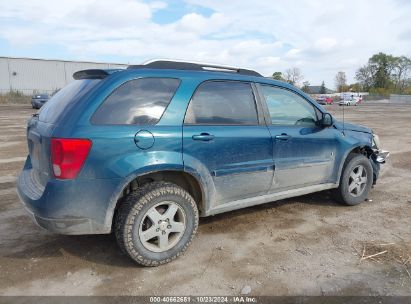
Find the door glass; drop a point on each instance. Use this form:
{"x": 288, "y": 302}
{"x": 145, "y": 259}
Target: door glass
{"x": 287, "y": 108}
{"x": 222, "y": 103}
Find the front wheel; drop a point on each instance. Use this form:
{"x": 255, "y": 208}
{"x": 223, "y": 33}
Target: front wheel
{"x": 356, "y": 180}
{"x": 156, "y": 223}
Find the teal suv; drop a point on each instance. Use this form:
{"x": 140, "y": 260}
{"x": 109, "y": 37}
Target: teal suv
{"x": 143, "y": 152}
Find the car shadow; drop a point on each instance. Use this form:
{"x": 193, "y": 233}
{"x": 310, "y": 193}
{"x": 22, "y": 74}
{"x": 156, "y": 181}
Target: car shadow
{"x": 323, "y": 198}
{"x": 99, "y": 249}
{"x": 103, "y": 249}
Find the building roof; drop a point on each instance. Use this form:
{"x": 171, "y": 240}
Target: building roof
{"x": 61, "y": 60}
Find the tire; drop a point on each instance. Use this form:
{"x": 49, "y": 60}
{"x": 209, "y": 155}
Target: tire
{"x": 353, "y": 189}
{"x": 134, "y": 219}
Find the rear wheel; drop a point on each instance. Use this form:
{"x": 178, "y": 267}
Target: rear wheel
{"x": 356, "y": 180}
{"x": 155, "y": 224}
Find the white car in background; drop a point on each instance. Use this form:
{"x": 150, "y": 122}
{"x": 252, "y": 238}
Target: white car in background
{"x": 353, "y": 101}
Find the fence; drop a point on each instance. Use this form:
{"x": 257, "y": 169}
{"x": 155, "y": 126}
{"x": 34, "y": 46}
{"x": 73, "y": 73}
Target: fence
{"x": 21, "y": 96}
{"x": 394, "y": 98}
{"x": 376, "y": 97}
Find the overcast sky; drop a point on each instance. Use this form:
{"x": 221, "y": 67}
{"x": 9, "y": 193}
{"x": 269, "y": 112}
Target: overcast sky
{"x": 320, "y": 37}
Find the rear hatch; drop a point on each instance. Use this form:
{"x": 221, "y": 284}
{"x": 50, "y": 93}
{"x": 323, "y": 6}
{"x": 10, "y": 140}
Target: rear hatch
{"x": 41, "y": 125}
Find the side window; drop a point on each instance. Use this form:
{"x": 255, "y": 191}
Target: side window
{"x": 137, "y": 102}
{"x": 222, "y": 103}
{"x": 287, "y": 108}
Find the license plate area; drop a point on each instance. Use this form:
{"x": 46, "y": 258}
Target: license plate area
{"x": 34, "y": 142}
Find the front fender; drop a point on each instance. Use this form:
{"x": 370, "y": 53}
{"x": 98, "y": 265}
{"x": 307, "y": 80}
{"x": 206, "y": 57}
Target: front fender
{"x": 353, "y": 141}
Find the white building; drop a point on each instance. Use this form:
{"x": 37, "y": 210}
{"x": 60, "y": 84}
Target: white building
{"x": 28, "y": 75}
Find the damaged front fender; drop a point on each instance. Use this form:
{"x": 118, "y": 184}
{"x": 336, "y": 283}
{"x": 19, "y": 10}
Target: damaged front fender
{"x": 378, "y": 156}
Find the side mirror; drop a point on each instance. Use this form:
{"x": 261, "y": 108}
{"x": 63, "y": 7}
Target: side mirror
{"x": 326, "y": 120}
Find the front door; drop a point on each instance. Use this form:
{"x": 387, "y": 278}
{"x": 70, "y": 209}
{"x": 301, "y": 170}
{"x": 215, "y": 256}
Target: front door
{"x": 226, "y": 142}
{"x": 304, "y": 152}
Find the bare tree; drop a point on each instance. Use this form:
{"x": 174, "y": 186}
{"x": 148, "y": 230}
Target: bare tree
{"x": 340, "y": 81}
{"x": 305, "y": 87}
{"x": 293, "y": 76}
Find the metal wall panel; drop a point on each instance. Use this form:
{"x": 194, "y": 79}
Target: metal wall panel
{"x": 4, "y": 75}
{"x": 36, "y": 75}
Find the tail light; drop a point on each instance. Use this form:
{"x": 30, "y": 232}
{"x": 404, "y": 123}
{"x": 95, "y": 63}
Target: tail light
{"x": 68, "y": 156}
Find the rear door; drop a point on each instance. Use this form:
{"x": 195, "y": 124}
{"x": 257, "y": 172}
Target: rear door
{"x": 225, "y": 140}
{"x": 304, "y": 152}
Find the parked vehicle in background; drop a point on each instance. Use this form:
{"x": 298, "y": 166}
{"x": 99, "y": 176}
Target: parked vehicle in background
{"x": 324, "y": 100}
{"x": 321, "y": 100}
{"x": 38, "y": 100}
{"x": 353, "y": 101}
{"x": 360, "y": 99}
{"x": 144, "y": 152}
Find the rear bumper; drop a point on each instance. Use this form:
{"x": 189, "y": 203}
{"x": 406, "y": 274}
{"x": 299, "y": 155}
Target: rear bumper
{"x": 64, "y": 226}
{"x": 77, "y": 206}
{"x": 38, "y": 102}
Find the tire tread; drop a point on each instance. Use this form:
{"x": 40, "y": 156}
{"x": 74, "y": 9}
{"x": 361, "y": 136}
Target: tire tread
{"x": 133, "y": 204}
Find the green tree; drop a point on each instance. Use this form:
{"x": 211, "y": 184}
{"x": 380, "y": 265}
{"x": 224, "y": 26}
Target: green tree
{"x": 355, "y": 87}
{"x": 365, "y": 77}
{"x": 323, "y": 90}
{"x": 385, "y": 74}
{"x": 278, "y": 76}
{"x": 382, "y": 66}
{"x": 400, "y": 74}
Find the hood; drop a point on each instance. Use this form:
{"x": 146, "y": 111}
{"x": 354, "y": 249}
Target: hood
{"x": 352, "y": 127}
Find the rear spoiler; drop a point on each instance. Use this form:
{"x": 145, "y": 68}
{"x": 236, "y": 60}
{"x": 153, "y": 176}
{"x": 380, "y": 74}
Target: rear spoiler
{"x": 94, "y": 73}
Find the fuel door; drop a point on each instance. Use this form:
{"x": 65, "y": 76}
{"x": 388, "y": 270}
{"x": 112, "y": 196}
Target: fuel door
{"x": 144, "y": 139}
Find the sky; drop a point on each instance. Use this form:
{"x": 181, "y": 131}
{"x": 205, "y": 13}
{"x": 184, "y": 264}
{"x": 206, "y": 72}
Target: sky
{"x": 319, "y": 37}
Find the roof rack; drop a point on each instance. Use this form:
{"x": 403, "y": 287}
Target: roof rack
{"x": 193, "y": 66}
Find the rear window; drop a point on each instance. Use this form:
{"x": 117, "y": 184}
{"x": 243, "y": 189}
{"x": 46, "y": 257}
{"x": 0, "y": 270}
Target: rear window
{"x": 137, "y": 102}
{"x": 57, "y": 104}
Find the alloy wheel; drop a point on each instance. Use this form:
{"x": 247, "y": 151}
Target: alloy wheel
{"x": 357, "y": 181}
{"x": 163, "y": 225}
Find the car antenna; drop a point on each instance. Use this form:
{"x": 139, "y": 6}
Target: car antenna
{"x": 343, "y": 128}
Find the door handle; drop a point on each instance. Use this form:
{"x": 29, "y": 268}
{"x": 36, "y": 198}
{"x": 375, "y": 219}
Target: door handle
{"x": 283, "y": 137}
{"x": 203, "y": 137}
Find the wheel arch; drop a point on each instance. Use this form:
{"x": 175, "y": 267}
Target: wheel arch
{"x": 358, "y": 149}
{"x": 181, "y": 178}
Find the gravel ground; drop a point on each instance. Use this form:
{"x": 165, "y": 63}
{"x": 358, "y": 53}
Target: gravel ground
{"x": 307, "y": 245}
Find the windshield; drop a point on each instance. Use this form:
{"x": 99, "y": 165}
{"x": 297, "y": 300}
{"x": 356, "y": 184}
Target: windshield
{"x": 52, "y": 110}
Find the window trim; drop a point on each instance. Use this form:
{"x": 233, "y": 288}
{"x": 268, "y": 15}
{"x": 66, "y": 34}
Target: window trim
{"x": 257, "y": 105}
{"x": 123, "y": 83}
{"x": 267, "y": 115}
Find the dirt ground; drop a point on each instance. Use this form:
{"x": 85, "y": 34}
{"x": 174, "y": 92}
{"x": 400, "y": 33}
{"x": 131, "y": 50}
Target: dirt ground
{"x": 307, "y": 245}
